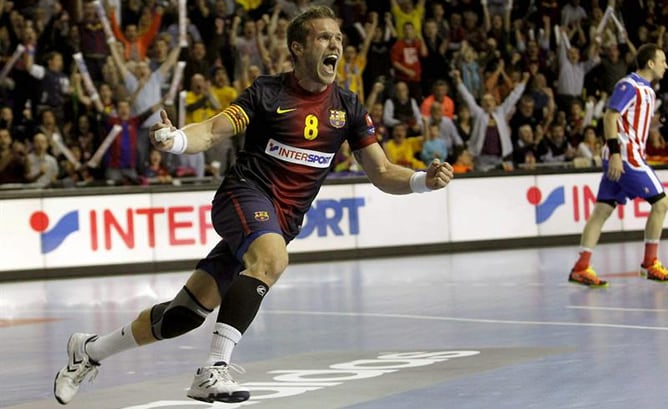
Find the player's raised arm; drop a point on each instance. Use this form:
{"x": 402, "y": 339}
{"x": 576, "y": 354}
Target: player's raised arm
{"x": 200, "y": 136}
{"x": 394, "y": 179}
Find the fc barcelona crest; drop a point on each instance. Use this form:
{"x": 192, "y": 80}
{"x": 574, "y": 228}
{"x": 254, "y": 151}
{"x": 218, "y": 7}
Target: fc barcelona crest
{"x": 262, "y": 216}
{"x": 337, "y": 118}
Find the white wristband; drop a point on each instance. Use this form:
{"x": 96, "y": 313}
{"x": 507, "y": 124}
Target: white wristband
{"x": 180, "y": 142}
{"x": 418, "y": 182}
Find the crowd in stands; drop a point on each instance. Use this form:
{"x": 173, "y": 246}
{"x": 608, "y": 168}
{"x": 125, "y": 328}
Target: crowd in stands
{"x": 484, "y": 84}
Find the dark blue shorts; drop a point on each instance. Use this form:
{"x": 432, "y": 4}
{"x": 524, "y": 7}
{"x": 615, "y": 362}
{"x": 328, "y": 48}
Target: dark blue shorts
{"x": 240, "y": 213}
{"x": 635, "y": 182}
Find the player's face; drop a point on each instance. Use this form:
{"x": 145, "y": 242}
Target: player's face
{"x": 323, "y": 50}
{"x": 659, "y": 67}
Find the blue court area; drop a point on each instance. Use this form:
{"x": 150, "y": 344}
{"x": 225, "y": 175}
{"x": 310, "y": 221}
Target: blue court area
{"x": 498, "y": 329}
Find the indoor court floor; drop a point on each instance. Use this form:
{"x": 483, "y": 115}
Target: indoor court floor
{"x": 484, "y": 330}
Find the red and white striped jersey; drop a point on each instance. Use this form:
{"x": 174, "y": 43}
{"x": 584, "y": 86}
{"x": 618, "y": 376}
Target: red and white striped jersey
{"x": 635, "y": 100}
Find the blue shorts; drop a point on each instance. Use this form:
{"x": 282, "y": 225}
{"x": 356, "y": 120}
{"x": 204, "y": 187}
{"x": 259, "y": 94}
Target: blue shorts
{"x": 635, "y": 182}
{"x": 240, "y": 213}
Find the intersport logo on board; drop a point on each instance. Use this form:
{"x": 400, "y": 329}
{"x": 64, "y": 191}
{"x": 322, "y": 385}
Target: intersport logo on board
{"x": 578, "y": 201}
{"x": 125, "y": 228}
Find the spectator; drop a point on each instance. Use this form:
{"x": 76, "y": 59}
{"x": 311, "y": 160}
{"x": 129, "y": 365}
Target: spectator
{"x": 490, "y": 142}
{"x": 464, "y": 122}
{"x": 20, "y": 129}
{"x": 351, "y": 67}
{"x": 525, "y": 114}
{"x": 107, "y": 99}
{"x": 75, "y": 173}
{"x": 475, "y": 32}
{"x": 145, "y": 91}
{"x": 405, "y": 56}
{"x": 221, "y": 88}
{"x": 404, "y": 11}
{"x": 434, "y": 61}
{"x": 277, "y": 35}
{"x": 543, "y": 97}
{"x": 378, "y": 57}
{"x": 467, "y": 65}
{"x": 375, "y": 107}
{"x": 434, "y": 146}
{"x": 576, "y": 122}
{"x": 611, "y": 69}
{"x": 525, "y": 149}
{"x": 447, "y": 131}
{"x": 196, "y": 63}
{"x": 42, "y": 167}
{"x": 93, "y": 39}
{"x": 48, "y": 126}
{"x": 344, "y": 161}
{"x": 159, "y": 55}
{"x": 13, "y": 165}
{"x": 135, "y": 43}
{"x": 457, "y": 33}
{"x": 214, "y": 25}
{"x": 572, "y": 13}
{"x": 402, "y": 108}
{"x": 438, "y": 17}
{"x": 555, "y": 147}
{"x": 402, "y": 150}
{"x": 572, "y": 71}
{"x": 439, "y": 94}
{"x": 201, "y": 103}
{"x": 607, "y": 37}
{"x": 496, "y": 17}
{"x": 55, "y": 85}
{"x": 497, "y": 81}
{"x": 246, "y": 44}
{"x": 84, "y": 138}
{"x": 463, "y": 160}
{"x": 156, "y": 171}
{"x": 590, "y": 147}
{"x": 122, "y": 159}
{"x": 30, "y": 95}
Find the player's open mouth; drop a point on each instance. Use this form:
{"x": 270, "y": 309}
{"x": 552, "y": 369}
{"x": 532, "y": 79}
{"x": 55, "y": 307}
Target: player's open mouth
{"x": 330, "y": 62}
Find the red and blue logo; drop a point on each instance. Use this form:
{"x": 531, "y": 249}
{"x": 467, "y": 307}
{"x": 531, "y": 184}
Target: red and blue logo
{"x": 52, "y": 238}
{"x": 546, "y": 208}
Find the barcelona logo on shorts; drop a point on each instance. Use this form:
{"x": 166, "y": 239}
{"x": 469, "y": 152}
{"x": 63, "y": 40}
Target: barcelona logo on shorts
{"x": 337, "y": 118}
{"x": 262, "y": 216}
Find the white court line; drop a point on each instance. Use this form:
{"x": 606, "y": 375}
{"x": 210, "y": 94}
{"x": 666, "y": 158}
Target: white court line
{"x": 470, "y": 320}
{"x": 594, "y": 308}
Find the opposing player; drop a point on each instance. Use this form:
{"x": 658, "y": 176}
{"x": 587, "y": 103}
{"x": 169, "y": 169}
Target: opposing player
{"x": 294, "y": 123}
{"x": 625, "y": 172}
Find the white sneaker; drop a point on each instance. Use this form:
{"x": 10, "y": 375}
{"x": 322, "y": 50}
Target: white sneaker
{"x": 215, "y": 384}
{"x": 78, "y": 367}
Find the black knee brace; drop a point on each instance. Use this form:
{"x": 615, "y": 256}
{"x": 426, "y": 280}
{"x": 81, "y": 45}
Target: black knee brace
{"x": 173, "y": 318}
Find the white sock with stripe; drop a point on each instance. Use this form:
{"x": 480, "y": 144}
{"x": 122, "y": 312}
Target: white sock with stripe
{"x": 112, "y": 343}
{"x": 225, "y": 338}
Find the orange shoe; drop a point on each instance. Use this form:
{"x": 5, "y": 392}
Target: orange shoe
{"x": 586, "y": 277}
{"x": 656, "y": 271}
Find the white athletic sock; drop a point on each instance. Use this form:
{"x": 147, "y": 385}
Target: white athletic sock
{"x": 112, "y": 343}
{"x": 225, "y": 338}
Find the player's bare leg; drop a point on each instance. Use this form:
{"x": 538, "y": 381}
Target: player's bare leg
{"x": 651, "y": 267}
{"x": 582, "y": 272}
{"x": 185, "y": 312}
{"x": 265, "y": 261}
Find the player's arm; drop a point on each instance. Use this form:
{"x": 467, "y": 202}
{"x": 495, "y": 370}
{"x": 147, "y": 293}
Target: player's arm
{"x": 398, "y": 180}
{"x": 199, "y": 136}
{"x": 610, "y": 124}
{"x": 615, "y": 166}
